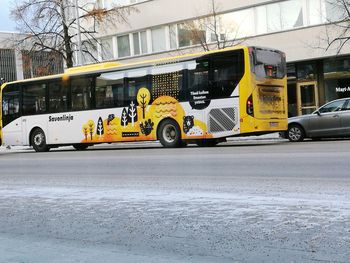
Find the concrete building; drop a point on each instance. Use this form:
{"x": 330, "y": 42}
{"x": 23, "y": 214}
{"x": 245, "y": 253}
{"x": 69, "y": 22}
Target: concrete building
{"x": 300, "y": 28}
{"x": 18, "y": 63}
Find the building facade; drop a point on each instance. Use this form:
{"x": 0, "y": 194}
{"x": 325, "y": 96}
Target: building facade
{"x": 300, "y": 28}
{"x": 19, "y": 63}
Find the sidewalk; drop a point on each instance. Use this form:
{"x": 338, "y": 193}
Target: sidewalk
{"x": 271, "y": 136}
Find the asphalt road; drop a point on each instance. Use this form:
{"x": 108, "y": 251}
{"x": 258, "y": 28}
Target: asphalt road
{"x": 243, "y": 201}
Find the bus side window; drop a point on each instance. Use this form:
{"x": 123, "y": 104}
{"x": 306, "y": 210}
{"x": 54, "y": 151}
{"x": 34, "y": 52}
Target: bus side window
{"x": 57, "y": 97}
{"x": 227, "y": 71}
{"x": 133, "y": 86}
{"x": 10, "y": 104}
{"x": 198, "y": 79}
{"x": 118, "y": 94}
{"x": 81, "y": 93}
{"x": 34, "y": 99}
{"x": 109, "y": 92}
{"x": 168, "y": 84}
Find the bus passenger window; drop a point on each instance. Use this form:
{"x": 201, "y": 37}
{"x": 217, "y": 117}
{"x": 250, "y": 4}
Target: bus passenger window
{"x": 10, "y": 104}
{"x": 109, "y": 93}
{"x": 81, "y": 94}
{"x": 133, "y": 87}
{"x": 118, "y": 95}
{"x": 227, "y": 72}
{"x": 198, "y": 78}
{"x": 168, "y": 84}
{"x": 57, "y": 97}
{"x": 34, "y": 99}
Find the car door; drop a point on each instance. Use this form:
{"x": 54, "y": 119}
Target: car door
{"x": 327, "y": 121}
{"x": 345, "y": 119}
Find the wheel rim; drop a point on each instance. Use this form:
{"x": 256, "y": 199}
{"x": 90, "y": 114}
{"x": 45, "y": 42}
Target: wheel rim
{"x": 294, "y": 134}
{"x": 169, "y": 133}
{"x": 38, "y": 139}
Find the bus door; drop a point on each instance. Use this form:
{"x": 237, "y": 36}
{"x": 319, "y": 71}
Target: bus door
{"x": 11, "y": 120}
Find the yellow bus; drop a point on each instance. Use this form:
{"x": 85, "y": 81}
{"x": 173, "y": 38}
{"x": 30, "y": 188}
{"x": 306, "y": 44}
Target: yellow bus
{"x": 199, "y": 98}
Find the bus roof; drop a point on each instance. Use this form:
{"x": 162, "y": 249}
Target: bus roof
{"x": 109, "y": 66}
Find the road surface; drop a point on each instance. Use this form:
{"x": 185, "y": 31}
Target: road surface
{"x": 243, "y": 201}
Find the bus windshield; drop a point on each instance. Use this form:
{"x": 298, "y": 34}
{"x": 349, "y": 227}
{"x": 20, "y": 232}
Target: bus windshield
{"x": 268, "y": 63}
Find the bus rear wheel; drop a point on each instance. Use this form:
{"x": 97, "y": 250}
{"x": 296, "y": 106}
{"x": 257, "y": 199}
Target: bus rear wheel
{"x": 169, "y": 134}
{"x": 38, "y": 141}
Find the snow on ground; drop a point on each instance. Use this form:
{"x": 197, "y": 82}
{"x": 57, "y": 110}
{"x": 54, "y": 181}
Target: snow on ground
{"x": 177, "y": 226}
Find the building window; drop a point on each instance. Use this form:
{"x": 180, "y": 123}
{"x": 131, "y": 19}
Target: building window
{"x": 140, "y": 42}
{"x": 109, "y": 4}
{"x": 260, "y": 20}
{"x": 314, "y": 12}
{"x": 337, "y": 78}
{"x": 273, "y": 14}
{"x": 123, "y": 46}
{"x": 158, "y": 39}
{"x": 235, "y": 25}
{"x": 191, "y": 33}
{"x": 173, "y": 36}
{"x": 89, "y": 50}
{"x": 106, "y": 48}
{"x": 333, "y": 10}
{"x": 8, "y": 65}
{"x": 292, "y": 14}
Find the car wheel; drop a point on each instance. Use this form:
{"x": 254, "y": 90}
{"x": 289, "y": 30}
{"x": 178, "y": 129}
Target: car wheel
{"x": 169, "y": 134}
{"x": 295, "y": 133}
{"x": 38, "y": 141}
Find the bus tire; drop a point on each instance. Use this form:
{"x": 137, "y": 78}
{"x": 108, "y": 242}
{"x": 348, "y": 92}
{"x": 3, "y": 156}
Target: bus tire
{"x": 169, "y": 134}
{"x": 38, "y": 141}
{"x": 80, "y": 146}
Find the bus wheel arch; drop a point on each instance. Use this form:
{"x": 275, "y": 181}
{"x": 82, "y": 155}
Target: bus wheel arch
{"x": 37, "y": 139}
{"x": 169, "y": 133}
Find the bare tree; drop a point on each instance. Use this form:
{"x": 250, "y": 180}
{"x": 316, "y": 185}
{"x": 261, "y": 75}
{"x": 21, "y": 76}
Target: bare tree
{"x": 211, "y": 32}
{"x": 338, "y": 26}
{"x": 51, "y": 25}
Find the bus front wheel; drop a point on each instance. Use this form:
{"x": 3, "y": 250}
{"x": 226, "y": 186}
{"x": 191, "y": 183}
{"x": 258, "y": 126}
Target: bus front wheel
{"x": 169, "y": 134}
{"x": 38, "y": 141}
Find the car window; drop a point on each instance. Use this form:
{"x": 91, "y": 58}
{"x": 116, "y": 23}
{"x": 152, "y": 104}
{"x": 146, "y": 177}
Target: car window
{"x": 347, "y": 105}
{"x": 333, "y": 106}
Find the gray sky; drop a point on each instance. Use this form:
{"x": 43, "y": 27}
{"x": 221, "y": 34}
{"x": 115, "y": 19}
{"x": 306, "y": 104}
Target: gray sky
{"x": 5, "y": 23}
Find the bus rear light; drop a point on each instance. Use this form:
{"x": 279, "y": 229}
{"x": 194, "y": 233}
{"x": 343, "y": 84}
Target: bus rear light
{"x": 250, "y": 106}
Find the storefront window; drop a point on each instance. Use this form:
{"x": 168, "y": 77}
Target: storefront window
{"x": 306, "y": 71}
{"x": 337, "y": 78}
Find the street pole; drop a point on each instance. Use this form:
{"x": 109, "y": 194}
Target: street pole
{"x": 80, "y": 53}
